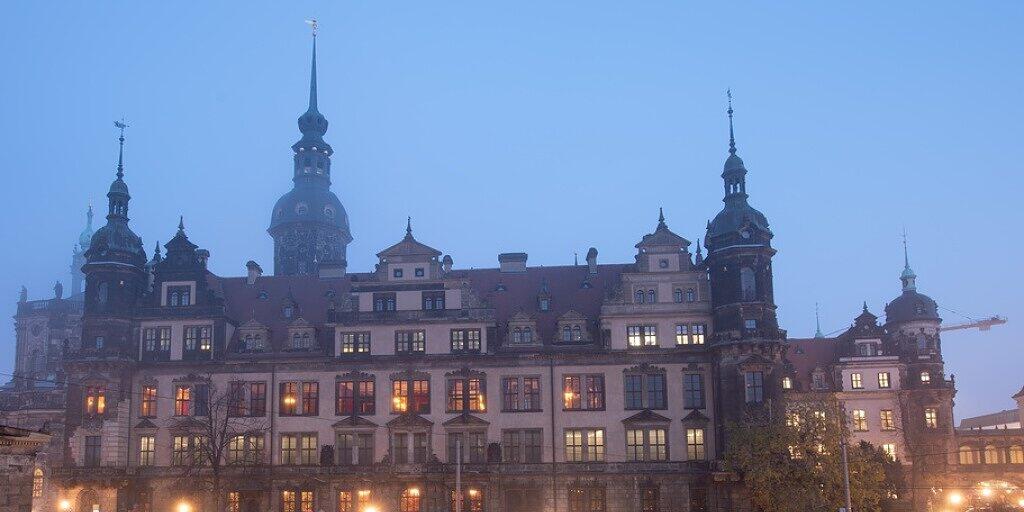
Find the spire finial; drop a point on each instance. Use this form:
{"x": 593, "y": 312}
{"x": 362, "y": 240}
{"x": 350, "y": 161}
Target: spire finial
{"x": 181, "y": 224}
{"x": 88, "y": 218}
{"x": 312, "y": 74}
{"x": 908, "y": 277}
{"x": 408, "y": 227}
{"x": 661, "y": 218}
{"x": 121, "y": 125}
{"x": 817, "y": 322}
{"x": 156, "y": 250}
{"x": 699, "y": 258}
{"x": 865, "y": 306}
{"x": 732, "y": 138}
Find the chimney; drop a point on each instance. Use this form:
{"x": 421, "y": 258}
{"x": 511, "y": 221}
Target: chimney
{"x": 253, "y": 272}
{"x": 592, "y": 260}
{"x": 512, "y": 261}
{"x": 446, "y": 263}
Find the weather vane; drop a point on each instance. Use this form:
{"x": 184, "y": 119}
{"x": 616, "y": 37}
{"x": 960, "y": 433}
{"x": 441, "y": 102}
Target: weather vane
{"x": 121, "y": 125}
{"x": 312, "y": 25}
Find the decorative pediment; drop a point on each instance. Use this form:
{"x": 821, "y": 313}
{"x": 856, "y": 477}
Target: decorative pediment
{"x": 355, "y": 375}
{"x": 466, "y": 421}
{"x": 354, "y": 422}
{"x": 644, "y": 368}
{"x": 696, "y": 418}
{"x": 466, "y": 373}
{"x": 410, "y": 421}
{"x": 646, "y": 416}
{"x": 755, "y": 362}
{"x": 145, "y": 424}
{"x": 300, "y": 323}
{"x": 572, "y": 316}
{"x": 521, "y": 317}
{"x": 410, "y": 375}
{"x": 252, "y": 325}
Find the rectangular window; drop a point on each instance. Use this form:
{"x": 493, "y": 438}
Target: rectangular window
{"x": 180, "y": 450}
{"x": 245, "y": 449}
{"x": 147, "y": 450}
{"x": 646, "y": 444}
{"x": 355, "y": 343}
{"x": 584, "y": 445}
{"x": 583, "y": 392}
{"x": 300, "y": 398}
{"x": 345, "y": 444}
{"x": 384, "y": 301}
{"x": 466, "y": 395}
{"x": 883, "y": 380}
{"x": 465, "y": 340}
{"x": 433, "y": 300}
{"x": 345, "y": 502}
{"x": 355, "y": 397}
{"x": 521, "y": 445}
{"x": 419, "y": 447}
{"x": 289, "y": 449}
{"x": 410, "y": 342}
{"x": 642, "y": 335}
{"x": 887, "y": 421}
{"x": 297, "y": 501}
{"x": 237, "y": 405}
{"x": 693, "y": 384}
{"x": 202, "y": 400}
{"x": 308, "y": 449}
{"x": 645, "y": 391}
{"x": 95, "y": 401}
{"x": 147, "y": 407}
{"x": 860, "y": 420}
{"x": 258, "y": 398}
{"x": 695, "y": 444}
{"x": 682, "y": 334}
{"x": 183, "y": 401}
{"x": 926, "y": 377}
{"x": 856, "y": 382}
{"x": 511, "y": 446}
{"x": 365, "y": 448}
{"x": 156, "y": 339}
{"x": 474, "y": 446}
{"x": 931, "y": 418}
{"x": 520, "y": 393}
{"x": 410, "y": 396}
{"x": 400, "y": 448}
{"x": 697, "y": 334}
{"x": 689, "y": 334}
{"x": 890, "y": 450}
{"x": 754, "y": 384}
{"x": 198, "y": 338}
{"x": 234, "y": 502}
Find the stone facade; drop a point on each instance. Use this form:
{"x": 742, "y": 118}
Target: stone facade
{"x": 21, "y": 474}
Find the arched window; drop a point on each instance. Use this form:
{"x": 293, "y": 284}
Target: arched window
{"x": 527, "y": 335}
{"x": 966, "y": 455}
{"x": 248, "y": 342}
{"x": 677, "y": 295}
{"x": 1016, "y": 454}
{"x": 691, "y": 295}
{"x": 638, "y": 297}
{"x": 296, "y": 340}
{"x": 577, "y": 335}
{"x": 748, "y": 285}
{"x": 517, "y": 335}
{"x": 566, "y": 333}
{"x": 37, "y": 483}
{"x": 101, "y": 293}
{"x": 652, "y": 297}
{"x": 991, "y": 455}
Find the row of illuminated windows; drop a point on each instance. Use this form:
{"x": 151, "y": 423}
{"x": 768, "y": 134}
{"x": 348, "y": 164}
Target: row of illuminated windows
{"x": 886, "y": 420}
{"x": 358, "y": 397}
{"x": 647, "y": 335}
{"x": 412, "y": 342}
{"x": 889, "y": 449}
{"x": 409, "y": 500}
{"x": 992, "y": 455}
{"x": 651, "y": 296}
{"x": 194, "y": 338}
{"x": 357, "y": 448}
{"x": 857, "y": 380}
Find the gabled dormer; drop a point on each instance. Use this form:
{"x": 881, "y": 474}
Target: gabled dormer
{"x": 663, "y": 250}
{"x": 253, "y": 338}
{"x": 522, "y": 331}
{"x": 408, "y": 260}
{"x": 301, "y": 336}
{"x": 572, "y": 328}
{"x": 180, "y": 276}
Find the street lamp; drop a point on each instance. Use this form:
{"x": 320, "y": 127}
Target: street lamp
{"x": 955, "y": 498}
{"x": 64, "y": 505}
{"x": 183, "y": 506}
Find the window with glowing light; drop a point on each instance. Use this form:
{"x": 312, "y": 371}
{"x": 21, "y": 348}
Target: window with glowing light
{"x": 95, "y": 400}
{"x": 886, "y": 418}
{"x": 411, "y": 395}
{"x": 646, "y": 444}
{"x": 931, "y": 418}
{"x": 860, "y": 420}
{"x": 583, "y": 392}
{"x": 467, "y": 395}
{"x": 584, "y": 445}
{"x": 695, "y": 444}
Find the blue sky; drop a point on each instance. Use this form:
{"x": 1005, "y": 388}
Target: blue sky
{"x": 545, "y": 127}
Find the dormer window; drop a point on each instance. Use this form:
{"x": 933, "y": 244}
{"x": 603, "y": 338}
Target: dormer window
{"x": 419, "y": 272}
{"x": 179, "y": 296}
{"x": 544, "y": 304}
{"x": 433, "y": 300}
{"x": 522, "y": 335}
{"x": 302, "y": 340}
{"x": 397, "y": 273}
{"x": 691, "y": 295}
{"x": 252, "y": 343}
{"x": 652, "y": 297}
{"x": 638, "y": 296}
{"x": 288, "y": 311}
{"x": 384, "y": 302}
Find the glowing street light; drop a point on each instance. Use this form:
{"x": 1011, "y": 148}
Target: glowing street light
{"x": 370, "y": 508}
{"x": 955, "y": 498}
{"x": 986, "y": 492}
{"x": 183, "y": 506}
{"x": 64, "y": 505}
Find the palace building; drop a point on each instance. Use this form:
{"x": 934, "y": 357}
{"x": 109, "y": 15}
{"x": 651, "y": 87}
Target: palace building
{"x": 585, "y": 388}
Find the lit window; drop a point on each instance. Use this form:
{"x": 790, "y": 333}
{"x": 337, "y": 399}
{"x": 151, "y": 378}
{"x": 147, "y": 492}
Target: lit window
{"x": 860, "y": 420}
{"x": 354, "y": 397}
{"x": 410, "y": 396}
{"x": 409, "y": 501}
{"x": 787, "y": 383}
{"x": 467, "y": 395}
{"x": 931, "y": 418}
{"x": 355, "y": 343}
{"x": 966, "y": 455}
{"x": 883, "y": 380}
{"x": 695, "y": 444}
{"x": 646, "y": 444}
{"x": 183, "y": 401}
{"x": 992, "y": 455}
{"x": 1016, "y": 454}
{"x": 465, "y": 340}
{"x": 520, "y": 394}
{"x": 584, "y": 445}
{"x": 888, "y": 423}
{"x": 792, "y": 419}
{"x": 410, "y": 342}
{"x": 147, "y": 450}
{"x": 37, "y": 483}
{"x": 925, "y": 377}
{"x": 856, "y": 382}
{"x": 890, "y": 450}
{"x": 583, "y": 392}
{"x": 642, "y": 335}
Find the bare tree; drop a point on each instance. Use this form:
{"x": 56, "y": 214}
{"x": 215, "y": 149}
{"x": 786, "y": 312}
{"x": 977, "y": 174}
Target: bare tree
{"x": 222, "y": 432}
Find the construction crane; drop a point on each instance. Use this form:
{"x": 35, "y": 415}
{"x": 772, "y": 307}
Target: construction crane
{"x": 982, "y": 325}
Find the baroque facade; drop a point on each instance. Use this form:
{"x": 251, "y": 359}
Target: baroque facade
{"x": 593, "y": 387}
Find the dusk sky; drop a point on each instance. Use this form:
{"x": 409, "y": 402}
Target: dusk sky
{"x": 544, "y": 127}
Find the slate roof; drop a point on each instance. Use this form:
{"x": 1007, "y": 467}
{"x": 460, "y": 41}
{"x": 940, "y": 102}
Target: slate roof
{"x": 804, "y": 355}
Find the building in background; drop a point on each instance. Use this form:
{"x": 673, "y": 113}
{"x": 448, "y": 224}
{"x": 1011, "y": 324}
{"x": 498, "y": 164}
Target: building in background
{"x": 21, "y": 473}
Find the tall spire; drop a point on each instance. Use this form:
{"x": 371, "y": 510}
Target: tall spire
{"x": 408, "y": 227}
{"x": 908, "y": 277}
{"x": 312, "y": 72}
{"x": 661, "y": 218}
{"x": 732, "y": 137}
{"x": 120, "y": 150}
{"x": 88, "y": 218}
{"x": 817, "y": 322}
